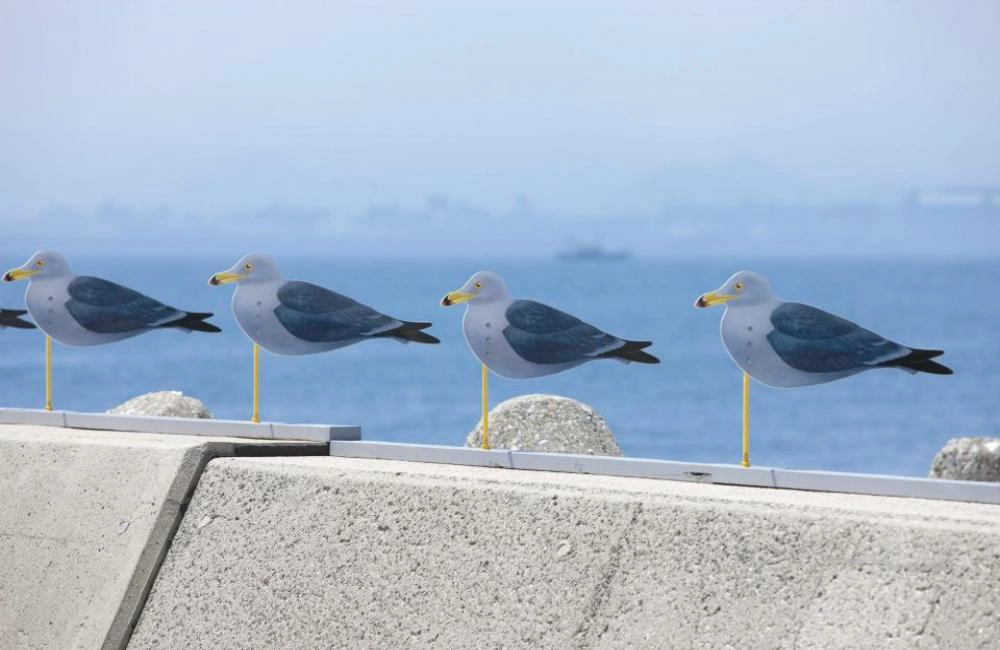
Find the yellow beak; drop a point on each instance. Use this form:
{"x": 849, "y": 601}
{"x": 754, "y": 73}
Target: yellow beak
{"x": 456, "y": 298}
{"x": 224, "y": 278}
{"x": 18, "y": 274}
{"x": 711, "y": 299}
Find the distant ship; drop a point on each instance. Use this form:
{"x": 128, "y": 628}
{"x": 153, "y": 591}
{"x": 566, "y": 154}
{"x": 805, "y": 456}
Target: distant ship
{"x": 592, "y": 252}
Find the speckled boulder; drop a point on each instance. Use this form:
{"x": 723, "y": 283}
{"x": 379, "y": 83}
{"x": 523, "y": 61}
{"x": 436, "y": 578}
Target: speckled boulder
{"x": 547, "y": 423}
{"x": 164, "y": 403}
{"x": 968, "y": 459}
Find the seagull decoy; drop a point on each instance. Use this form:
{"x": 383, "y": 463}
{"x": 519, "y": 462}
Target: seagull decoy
{"x": 789, "y": 344}
{"x": 11, "y": 318}
{"x": 81, "y": 310}
{"x": 521, "y": 339}
{"x": 291, "y": 317}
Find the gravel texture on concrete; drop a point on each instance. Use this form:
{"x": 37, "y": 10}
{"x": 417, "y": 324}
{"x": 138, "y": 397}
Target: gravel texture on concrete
{"x": 358, "y": 553}
{"x": 164, "y": 403}
{"x": 968, "y": 459}
{"x": 547, "y": 423}
{"x": 85, "y": 517}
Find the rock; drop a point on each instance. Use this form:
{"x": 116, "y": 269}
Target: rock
{"x": 165, "y": 403}
{"x": 547, "y": 423}
{"x": 968, "y": 459}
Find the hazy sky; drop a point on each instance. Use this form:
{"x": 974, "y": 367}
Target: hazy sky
{"x": 220, "y": 107}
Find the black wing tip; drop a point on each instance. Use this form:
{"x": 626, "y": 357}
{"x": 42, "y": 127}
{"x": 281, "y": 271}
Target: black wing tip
{"x": 194, "y": 322}
{"x": 920, "y": 361}
{"x": 10, "y": 318}
{"x": 633, "y": 351}
{"x": 410, "y": 331}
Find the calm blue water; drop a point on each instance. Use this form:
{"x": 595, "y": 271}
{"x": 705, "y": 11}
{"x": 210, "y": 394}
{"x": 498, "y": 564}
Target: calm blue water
{"x": 687, "y": 408}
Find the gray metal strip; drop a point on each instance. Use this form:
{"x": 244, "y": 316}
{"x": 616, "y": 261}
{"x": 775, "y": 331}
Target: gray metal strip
{"x": 182, "y": 426}
{"x": 819, "y": 481}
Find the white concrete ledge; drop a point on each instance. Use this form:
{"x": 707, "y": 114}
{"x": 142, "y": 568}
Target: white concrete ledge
{"x": 816, "y": 481}
{"x": 181, "y": 426}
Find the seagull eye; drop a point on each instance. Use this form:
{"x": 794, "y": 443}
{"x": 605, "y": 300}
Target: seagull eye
{"x": 479, "y": 285}
{"x": 739, "y": 286}
{"x": 248, "y": 266}
{"x": 40, "y": 263}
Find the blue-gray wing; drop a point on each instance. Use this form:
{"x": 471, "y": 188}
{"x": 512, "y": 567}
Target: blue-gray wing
{"x": 812, "y": 340}
{"x": 319, "y": 315}
{"x": 545, "y": 335}
{"x": 108, "y": 308}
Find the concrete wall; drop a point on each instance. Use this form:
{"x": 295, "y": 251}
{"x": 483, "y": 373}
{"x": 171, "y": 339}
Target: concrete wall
{"x": 341, "y": 552}
{"x": 353, "y": 552}
{"x": 85, "y": 519}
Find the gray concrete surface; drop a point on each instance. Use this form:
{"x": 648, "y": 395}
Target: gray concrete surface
{"x": 361, "y": 553}
{"x": 85, "y": 518}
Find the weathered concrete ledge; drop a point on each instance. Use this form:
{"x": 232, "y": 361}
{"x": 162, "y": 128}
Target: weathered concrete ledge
{"x": 181, "y": 426}
{"x": 85, "y": 519}
{"x": 351, "y": 552}
{"x": 787, "y": 479}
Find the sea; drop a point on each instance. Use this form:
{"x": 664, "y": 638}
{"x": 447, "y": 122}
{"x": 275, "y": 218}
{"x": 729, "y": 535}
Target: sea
{"x": 687, "y": 408}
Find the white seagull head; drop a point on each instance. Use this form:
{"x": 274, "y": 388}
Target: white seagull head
{"x": 250, "y": 269}
{"x": 483, "y": 287}
{"x": 43, "y": 264}
{"x": 743, "y": 289}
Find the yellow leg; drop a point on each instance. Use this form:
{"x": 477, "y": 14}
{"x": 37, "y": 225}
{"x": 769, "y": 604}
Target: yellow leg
{"x": 486, "y": 410}
{"x": 255, "y": 417}
{"x": 746, "y": 420}
{"x": 48, "y": 373}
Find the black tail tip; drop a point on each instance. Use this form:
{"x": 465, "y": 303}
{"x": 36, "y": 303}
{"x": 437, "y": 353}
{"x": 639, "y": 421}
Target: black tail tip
{"x": 933, "y": 367}
{"x": 421, "y": 337}
{"x": 207, "y": 327}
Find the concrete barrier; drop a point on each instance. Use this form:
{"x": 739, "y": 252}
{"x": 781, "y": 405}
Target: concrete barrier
{"x": 85, "y": 519}
{"x": 356, "y": 552}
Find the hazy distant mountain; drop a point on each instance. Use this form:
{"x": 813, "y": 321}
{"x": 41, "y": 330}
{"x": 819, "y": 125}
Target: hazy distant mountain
{"x": 731, "y": 185}
{"x": 697, "y": 214}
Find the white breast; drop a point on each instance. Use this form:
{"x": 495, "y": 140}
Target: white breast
{"x": 481, "y": 331}
{"x": 744, "y": 333}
